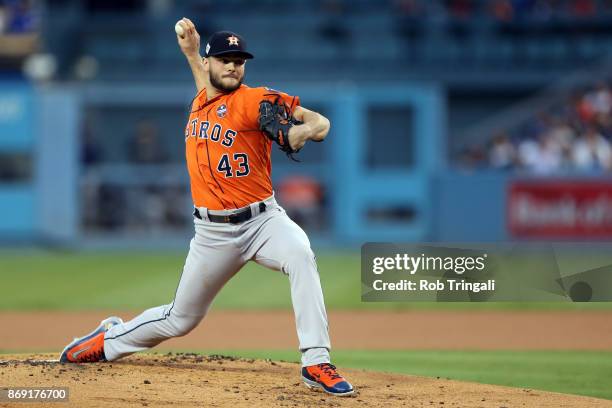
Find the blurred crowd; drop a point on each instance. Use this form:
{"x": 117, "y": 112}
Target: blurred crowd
{"x": 144, "y": 146}
{"x": 152, "y": 205}
{"x": 412, "y": 32}
{"x": 574, "y": 136}
{"x": 506, "y": 10}
{"x": 18, "y": 17}
{"x": 19, "y": 26}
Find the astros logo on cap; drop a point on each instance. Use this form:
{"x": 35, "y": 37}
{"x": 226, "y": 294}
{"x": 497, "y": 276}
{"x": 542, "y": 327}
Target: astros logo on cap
{"x": 233, "y": 40}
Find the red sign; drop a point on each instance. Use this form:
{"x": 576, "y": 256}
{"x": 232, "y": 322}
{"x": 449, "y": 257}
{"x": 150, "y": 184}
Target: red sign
{"x": 560, "y": 209}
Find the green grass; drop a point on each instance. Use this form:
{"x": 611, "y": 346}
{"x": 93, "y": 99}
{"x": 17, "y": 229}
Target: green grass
{"x": 33, "y": 280}
{"x": 569, "y": 372}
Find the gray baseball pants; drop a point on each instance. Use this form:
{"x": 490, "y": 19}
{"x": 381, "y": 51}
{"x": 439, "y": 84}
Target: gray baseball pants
{"x": 216, "y": 253}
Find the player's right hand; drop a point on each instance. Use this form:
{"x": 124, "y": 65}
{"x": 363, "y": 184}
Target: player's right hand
{"x": 190, "y": 42}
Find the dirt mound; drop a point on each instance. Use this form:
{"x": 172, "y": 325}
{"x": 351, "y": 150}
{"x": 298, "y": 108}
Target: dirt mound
{"x": 184, "y": 380}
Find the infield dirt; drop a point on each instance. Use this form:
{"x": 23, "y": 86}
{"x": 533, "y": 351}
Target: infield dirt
{"x": 42, "y": 331}
{"x": 184, "y": 380}
{"x": 189, "y": 380}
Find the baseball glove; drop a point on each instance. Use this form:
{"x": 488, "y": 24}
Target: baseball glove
{"x": 275, "y": 121}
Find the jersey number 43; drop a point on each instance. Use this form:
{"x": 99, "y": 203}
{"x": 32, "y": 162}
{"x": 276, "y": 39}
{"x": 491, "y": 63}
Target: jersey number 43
{"x": 241, "y": 164}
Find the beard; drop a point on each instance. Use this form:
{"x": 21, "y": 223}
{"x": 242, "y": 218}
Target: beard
{"x": 217, "y": 81}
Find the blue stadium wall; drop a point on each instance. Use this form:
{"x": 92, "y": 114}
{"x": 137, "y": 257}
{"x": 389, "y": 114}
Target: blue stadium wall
{"x": 387, "y": 151}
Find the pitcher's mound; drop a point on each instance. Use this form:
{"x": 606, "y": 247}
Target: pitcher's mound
{"x": 186, "y": 380}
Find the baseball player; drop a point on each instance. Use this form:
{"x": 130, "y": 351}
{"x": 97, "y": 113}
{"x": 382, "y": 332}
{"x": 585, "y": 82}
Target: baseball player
{"x": 228, "y": 140}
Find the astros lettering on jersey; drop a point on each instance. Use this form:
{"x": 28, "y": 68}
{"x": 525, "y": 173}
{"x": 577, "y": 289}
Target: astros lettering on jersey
{"x": 228, "y": 158}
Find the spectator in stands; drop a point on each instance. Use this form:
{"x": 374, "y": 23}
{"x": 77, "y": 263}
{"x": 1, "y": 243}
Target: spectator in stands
{"x": 111, "y": 207}
{"x": 548, "y": 158}
{"x": 592, "y": 151}
{"x": 151, "y": 216}
{"x": 543, "y": 10}
{"x": 412, "y": 8}
{"x": 176, "y": 201}
{"x": 460, "y": 9}
{"x": 538, "y": 124}
{"x": 145, "y": 147}
{"x": 473, "y": 158}
{"x": 95, "y": 197}
{"x": 583, "y": 8}
{"x": 17, "y": 17}
{"x": 599, "y": 100}
{"x": 502, "y": 154}
{"x": 583, "y": 108}
{"x": 19, "y": 37}
{"x": 409, "y": 25}
{"x": 561, "y": 132}
{"x": 573, "y": 135}
{"x": 91, "y": 151}
{"x": 4, "y": 16}
{"x": 502, "y": 10}
{"x": 528, "y": 153}
{"x": 302, "y": 198}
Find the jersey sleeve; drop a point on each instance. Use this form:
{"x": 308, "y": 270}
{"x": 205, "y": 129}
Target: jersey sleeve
{"x": 255, "y": 95}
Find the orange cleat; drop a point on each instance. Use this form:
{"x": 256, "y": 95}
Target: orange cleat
{"x": 325, "y": 377}
{"x": 89, "y": 348}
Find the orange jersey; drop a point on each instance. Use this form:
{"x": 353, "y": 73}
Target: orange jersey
{"x": 228, "y": 157}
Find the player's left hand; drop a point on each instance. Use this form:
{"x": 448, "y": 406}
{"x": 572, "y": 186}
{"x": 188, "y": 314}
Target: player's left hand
{"x": 190, "y": 42}
{"x": 275, "y": 121}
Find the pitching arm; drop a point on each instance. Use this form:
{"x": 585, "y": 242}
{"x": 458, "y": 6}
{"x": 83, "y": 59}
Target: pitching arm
{"x": 190, "y": 46}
